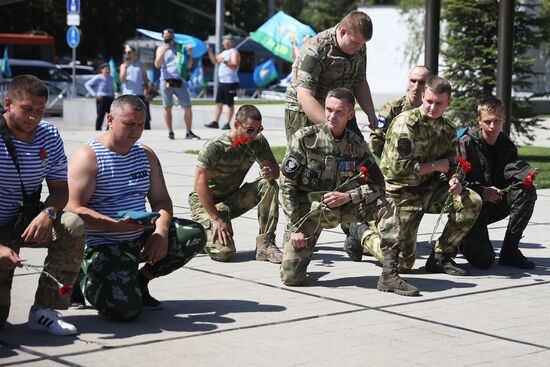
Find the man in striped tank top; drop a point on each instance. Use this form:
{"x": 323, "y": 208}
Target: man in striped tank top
{"x": 112, "y": 173}
{"x": 40, "y": 156}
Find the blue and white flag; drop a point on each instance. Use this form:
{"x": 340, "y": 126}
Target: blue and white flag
{"x": 278, "y": 33}
{"x": 265, "y": 73}
{"x": 114, "y": 74}
{"x": 5, "y": 66}
{"x": 196, "y": 81}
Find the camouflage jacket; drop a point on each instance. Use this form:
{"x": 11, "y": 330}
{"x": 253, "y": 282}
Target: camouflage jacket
{"x": 389, "y": 111}
{"x": 321, "y": 66}
{"x": 393, "y": 108}
{"x": 412, "y": 139}
{"x": 228, "y": 165}
{"x": 316, "y": 161}
{"x": 485, "y": 171}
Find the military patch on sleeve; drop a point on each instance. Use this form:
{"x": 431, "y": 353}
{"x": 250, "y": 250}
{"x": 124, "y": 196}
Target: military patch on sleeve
{"x": 404, "y": 146}
{"x": 308, "y": 64}
{"x": 291, "y": 167}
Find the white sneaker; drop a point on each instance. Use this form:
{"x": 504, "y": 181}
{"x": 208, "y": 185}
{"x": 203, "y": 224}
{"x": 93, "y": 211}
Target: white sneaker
{"x": 45, "y": 319}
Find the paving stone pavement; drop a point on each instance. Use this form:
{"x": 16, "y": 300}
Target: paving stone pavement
{"x": 240, "y": 314}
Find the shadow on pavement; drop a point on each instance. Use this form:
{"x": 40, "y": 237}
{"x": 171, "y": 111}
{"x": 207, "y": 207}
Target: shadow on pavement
{"x": 194, "y": 316}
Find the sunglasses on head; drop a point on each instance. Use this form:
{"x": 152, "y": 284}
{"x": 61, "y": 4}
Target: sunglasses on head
{"x": 251, "y": 130}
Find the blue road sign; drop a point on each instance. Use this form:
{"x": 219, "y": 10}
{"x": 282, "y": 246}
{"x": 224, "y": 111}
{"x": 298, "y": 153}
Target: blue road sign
{"x": 73, "y": 37}
{"x": 73, "y": 6}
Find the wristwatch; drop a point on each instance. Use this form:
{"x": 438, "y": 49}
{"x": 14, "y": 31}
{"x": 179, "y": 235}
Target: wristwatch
{"x": 52, "y": 214}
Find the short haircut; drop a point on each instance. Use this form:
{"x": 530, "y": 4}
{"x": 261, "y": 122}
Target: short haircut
{"x": 343, "y": 94}
{"x": 26, "y": 84}
{"x": 490, "y": 104}
{"x": 421, "y": 67}
{"x": 130, "y": 100}
{"x": 357, "y": 21}
{"x": 130, "y": 47}
{"x": 439, "y": 85}
{"x": 248, "y": 111}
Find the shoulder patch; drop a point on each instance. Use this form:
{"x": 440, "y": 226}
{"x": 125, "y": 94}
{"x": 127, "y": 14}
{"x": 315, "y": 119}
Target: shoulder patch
{"x": 308, "y": 64}
{"x": 291, "y": 165}
{"x": 404, "y": 146}
{"x": 291, "y": 168}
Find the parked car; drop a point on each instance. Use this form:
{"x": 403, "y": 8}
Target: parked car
{"x": 83, "y": 73}
{"x": 54, "y": 105}
{"x": 47, "y": 72}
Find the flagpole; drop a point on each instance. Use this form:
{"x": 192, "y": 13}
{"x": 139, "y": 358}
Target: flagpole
{"x": 220, "y": 8}
{"x": 242, "y": 42}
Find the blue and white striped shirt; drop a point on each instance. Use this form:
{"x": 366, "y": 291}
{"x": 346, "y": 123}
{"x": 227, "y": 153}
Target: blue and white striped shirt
{"x": 43, "y": 158}
{"x": 122, "y": 183}
{"x": 101, "y": 86}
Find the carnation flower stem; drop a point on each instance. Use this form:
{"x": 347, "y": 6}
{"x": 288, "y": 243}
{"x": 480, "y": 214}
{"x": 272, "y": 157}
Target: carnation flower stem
{"x": 41, "y": 268}
{"x": 448, "y": 204}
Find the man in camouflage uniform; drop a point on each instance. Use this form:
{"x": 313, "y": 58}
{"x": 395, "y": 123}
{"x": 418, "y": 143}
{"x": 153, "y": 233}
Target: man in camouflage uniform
{"x": 320, "y": 171}
{"x": 419, "y": 165}
{"x": 495, "y": 165}
{"x": 113, "y": 173}
{"x": 334, "y": 58}
{"x": 413, "y": 99}
{"x": 222, "y": 165}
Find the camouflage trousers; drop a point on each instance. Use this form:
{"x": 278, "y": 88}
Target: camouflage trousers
{"x": 65, "y": 249}
{"x": 412, "y": 207}
{"x": 518, "y": 204}
{"x": 111, "y": 282}
{"x": 295, "y": 120}
{"x": 261, "y": 193}
{"x": 381, "y": 211}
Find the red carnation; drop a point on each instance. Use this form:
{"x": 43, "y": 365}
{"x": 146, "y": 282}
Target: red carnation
{"x": 240, "y": 141}
{"x": 365, "y": 172}
{"x": 464, "y": 164}
{"x": 528, "y": 181}
{"x": 43, "y": 154}
{"x": 65, "y": 289}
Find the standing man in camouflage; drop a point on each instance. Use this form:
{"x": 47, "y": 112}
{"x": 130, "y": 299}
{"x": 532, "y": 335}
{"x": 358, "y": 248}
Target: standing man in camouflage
{"x": 495, "y": 165}
{"x": 111, "y": 174}
{"x": 336, "y": 57}
{"x": 220, "y": 194}
{"x": 419, "y": 165}
{"x": 320, "y": 171}
{"x": 413, "y": 99}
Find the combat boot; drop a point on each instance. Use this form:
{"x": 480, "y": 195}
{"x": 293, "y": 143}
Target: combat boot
{"x": 443, "y": 263}
{"x": 352, "y": 244}
{"x": 267, "y": 250}
{"x": 510, "y": 254}
{"x": 390, "y": 281}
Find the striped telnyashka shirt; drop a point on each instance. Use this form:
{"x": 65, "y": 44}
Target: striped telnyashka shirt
{"x": 43, "y": 158}
{"x": 122, "y": 183}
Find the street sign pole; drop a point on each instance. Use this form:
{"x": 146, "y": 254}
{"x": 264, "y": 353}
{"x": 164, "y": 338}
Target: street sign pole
{"x": 73, "y": 86}
{"x": 73, "y": 39}
{"x": 73, "y": 35}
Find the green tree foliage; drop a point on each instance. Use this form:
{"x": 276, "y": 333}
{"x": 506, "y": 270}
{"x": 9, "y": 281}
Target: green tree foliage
{"x": 107, "y": 24}
{"x": 323, "y": 14}
{"x": 470, "y": 55}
